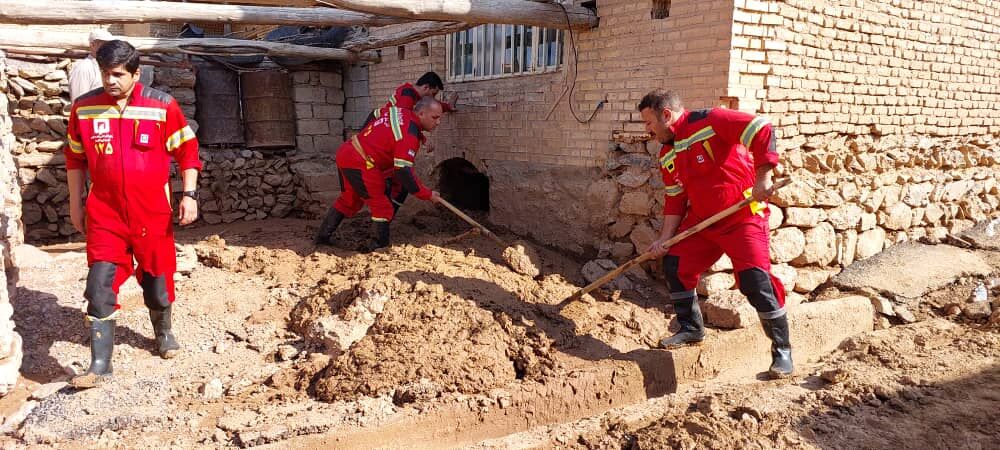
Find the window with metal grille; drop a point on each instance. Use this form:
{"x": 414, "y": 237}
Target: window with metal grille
{"x": 494, "y": 51}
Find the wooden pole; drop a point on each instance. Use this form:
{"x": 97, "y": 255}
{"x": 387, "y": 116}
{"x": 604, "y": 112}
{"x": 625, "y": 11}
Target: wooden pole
{"x": 58, "y": 53}
{"x": 677, "y": 238}
{"x": 53, "y": 12}
{"x": 214, "y": 46}
{"x": 404, "y": 35}
{"x": 516, "y": 12}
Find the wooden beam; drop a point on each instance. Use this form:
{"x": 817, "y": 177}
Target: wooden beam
{"x": 404, "y": 35}
{"x": 215, "y": 46}
{"x": 56, "y": 12}
{"x": 516, "y": 12}
{"x": 59, "y": 53}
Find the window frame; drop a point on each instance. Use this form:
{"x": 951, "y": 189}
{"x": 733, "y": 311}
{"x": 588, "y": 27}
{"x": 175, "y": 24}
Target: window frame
{"x": 485, "y": 52}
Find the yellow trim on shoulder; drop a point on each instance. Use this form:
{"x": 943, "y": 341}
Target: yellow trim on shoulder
{"x": 98, "y": 112}
{"x": 145, "y": 113}
{"x": 700, "y": 135}
{"x": 750, "y": 132}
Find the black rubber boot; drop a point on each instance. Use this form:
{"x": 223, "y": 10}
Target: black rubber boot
{"x": 781, "y": 347}
{"x": 102, "y": 344}
{"x": 381, "y": 239}
{"x": 328, "y": 226}
{"x": 692, "y": 324}
{"x": 166, "y": 344}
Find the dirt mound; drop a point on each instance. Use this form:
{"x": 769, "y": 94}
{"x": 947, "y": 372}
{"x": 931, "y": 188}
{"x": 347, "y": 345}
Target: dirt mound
{"x": 427, "y": 320}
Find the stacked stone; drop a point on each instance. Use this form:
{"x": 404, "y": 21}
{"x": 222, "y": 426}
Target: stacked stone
{"x": 358, "y": 102}
{"x": 852, "y": 198}
{"x": 246, "y": 185}
{"x": 11, "y": 235}
{"x": 319, "y": 109}
{"x": 39, "y": 96}
{"x": 179, "y": 83}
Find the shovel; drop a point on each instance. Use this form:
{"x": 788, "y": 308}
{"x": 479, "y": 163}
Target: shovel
{"x": 519, "y": 257}
{"x": 677, "y": 238}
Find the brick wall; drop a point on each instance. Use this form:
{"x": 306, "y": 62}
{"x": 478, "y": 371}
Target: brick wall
{"x": 537, "y": 164}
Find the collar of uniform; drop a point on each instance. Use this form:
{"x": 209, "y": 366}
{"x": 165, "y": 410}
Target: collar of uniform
{"x": 678, "y": 124}
{"x": 135, "y": 92}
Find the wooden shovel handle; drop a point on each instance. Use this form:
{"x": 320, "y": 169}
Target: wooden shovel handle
{"x": 472, "y": 222}
{"x": 677, "y": 238}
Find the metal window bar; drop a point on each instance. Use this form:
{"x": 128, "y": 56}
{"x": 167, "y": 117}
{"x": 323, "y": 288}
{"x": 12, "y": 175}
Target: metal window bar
{"x": 492, "y": 51}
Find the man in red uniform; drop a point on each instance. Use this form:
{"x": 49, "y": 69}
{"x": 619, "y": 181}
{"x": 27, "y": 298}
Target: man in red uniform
{"x": 388, "y": 144}
{"x": 712, "y": 159}
{"x": 124, "y": 134}
{"x": 407, "y": 95}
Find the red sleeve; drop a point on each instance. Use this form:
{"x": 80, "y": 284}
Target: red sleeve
{"x": 76, "y": 156}
{"x": 675, "y": 199}
{"x": 406, "y": 96}
{"x": 181, "y": 140}
{"x": 403, "y": 153}
{"x": 753, "y": 132}
{"x": 446, "y": 107}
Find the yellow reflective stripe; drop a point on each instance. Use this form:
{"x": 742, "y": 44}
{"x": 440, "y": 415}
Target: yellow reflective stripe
{"x": 395, "y": 122}
{"x": 97, "y": 112}
{"x": 379, "y": 219}
{"x": 700, "y": 135}
{"x": 75, "y": 146}
{"x": 145, "y": 113}
{"x": 674, "y": 190}
{"x": 179, "y": 138}
{"x": 751, "y": 130}
{"x": 668, "y": 158}
{"x": 401, "y": 163}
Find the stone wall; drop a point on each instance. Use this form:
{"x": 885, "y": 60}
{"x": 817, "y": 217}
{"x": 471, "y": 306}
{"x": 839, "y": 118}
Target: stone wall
{"x": 319, "y": 110}
{"x": 40, "y": 107}
{"x": 11, "y": 235}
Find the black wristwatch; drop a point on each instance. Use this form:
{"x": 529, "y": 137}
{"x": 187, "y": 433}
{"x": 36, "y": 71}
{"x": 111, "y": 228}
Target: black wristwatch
{"x": 192, "y": 194}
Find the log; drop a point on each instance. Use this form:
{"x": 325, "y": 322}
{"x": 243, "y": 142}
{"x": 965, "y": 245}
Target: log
{"x": 404, "y": 35}
{"x": 214, "y": 46}
{"x": 55, "y": 54}
{"x": 516, "y": 12}
{"x": 54, "y": 12}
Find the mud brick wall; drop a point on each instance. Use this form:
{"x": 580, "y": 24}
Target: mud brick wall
{"x": 319, "y": 110}
{"x": 537, "y": 163}
{"x": 11, "y": 235}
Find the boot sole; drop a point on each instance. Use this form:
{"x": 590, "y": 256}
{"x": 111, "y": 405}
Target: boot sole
{"x": 89, "y": 380}
{"x": 170, "y": 354}
{"x": 778, "y": 375}
{"x": 686, "y": 344}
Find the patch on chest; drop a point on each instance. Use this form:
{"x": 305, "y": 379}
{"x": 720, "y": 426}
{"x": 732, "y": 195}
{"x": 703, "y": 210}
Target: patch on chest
{"x": 700, "y": 158}
{"x": 144, "y": 138}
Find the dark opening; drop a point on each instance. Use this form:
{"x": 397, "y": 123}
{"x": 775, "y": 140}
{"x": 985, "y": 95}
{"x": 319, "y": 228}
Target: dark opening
{"x": 460, "y": 183}
{"x": 425, "y": 50}
{"x": 401, "y": 52}
{"x": 661, "y": 9}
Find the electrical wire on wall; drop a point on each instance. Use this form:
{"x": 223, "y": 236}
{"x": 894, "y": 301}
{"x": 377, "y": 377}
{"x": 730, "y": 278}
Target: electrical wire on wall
{"x": 571, "y": 88}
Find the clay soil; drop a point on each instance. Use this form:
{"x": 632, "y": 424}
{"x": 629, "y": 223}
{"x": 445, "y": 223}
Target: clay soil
{"x": 433, "y": 344}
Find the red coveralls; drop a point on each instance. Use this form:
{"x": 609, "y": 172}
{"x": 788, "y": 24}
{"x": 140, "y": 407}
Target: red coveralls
{"x": 707, "y": 169}
{"x": 127, "y": 153}
{"x": 390, "y": 143}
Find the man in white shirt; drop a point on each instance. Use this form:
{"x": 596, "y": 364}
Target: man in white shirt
{"x": 86, "y": 76}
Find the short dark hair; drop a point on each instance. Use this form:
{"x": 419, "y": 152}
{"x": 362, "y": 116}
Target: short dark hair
{"x": 424, "y": 103}
{"x": 431, "y": 79}
{"x": 661, "y": 99}
{"x": 118, "y": 53}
